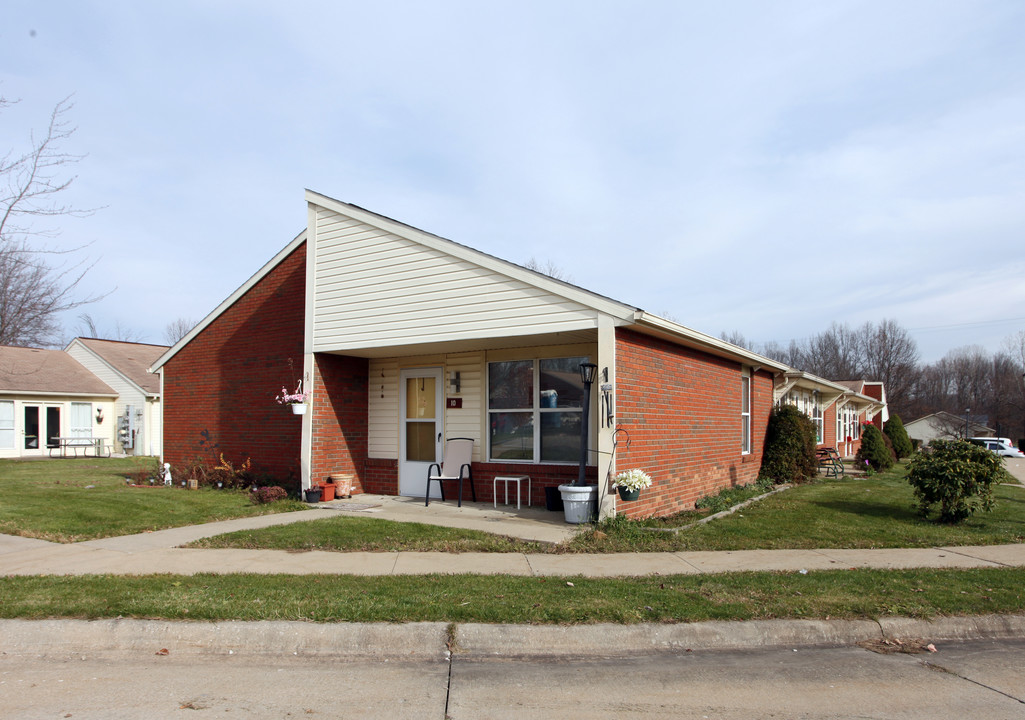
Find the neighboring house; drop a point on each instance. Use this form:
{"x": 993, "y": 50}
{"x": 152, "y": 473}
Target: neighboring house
{"x": 405, "y": 339}
{"x": 943, "y": 425}
{"x": 47, "y": 394}
{"x": 838, "y": 409}
{"x": 124, "y": 366}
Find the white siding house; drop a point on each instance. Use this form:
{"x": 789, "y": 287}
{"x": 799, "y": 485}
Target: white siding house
{"x": 124, "y": 366}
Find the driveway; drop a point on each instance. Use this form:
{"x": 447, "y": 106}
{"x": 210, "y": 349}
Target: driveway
{"x": 1016, "y": 466}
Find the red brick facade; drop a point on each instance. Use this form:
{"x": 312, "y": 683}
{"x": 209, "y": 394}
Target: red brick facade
{"x": 340, "y": 411}
{"x": 682, "y": 410}
{"x": 219, "y": 389}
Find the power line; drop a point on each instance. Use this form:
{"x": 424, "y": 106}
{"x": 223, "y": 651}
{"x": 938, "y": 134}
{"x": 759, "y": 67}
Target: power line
{"x": 982, "y": 323}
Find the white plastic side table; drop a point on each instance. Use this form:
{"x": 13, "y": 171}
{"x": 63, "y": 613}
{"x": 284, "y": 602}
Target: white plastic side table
{"x": 508, "y": 479}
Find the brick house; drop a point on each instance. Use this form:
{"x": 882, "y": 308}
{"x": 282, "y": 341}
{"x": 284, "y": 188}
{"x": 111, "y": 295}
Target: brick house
{"x": 404, "y": 338}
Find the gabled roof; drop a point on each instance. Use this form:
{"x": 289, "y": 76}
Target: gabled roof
{"x": 943, "y": 417}
{"x": 47, "y": 372}
{"x": 229, "y": 301}
{"x": 131, "y": 360}
{"x": 624, "y": 314}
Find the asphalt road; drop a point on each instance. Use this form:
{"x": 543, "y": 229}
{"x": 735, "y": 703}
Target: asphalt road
{"x": 981, "y": 679}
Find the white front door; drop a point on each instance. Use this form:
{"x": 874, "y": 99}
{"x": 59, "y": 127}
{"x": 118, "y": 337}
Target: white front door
{"x": 421, "y": 413}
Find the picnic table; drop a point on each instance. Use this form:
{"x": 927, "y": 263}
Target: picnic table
{"x": 829, "y": 460}
{"x": 66, "y": 445}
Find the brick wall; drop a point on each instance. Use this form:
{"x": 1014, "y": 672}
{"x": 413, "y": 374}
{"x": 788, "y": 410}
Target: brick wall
{"x": 219, "y": 389}
{"x": 681, "y": 408}
{"x": 340, "y": 418}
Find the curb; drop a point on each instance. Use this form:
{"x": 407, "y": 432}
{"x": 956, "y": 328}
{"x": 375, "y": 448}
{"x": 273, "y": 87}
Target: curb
{"x": 436, "y": 641}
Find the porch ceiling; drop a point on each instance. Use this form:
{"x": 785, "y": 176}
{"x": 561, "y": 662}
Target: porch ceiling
{"x": 471, "y": 345}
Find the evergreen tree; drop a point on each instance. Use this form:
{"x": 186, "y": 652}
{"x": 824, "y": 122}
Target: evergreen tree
{"x": 873, "y": 449}
{"x": 789, "y": 455}
{"x": 894, "y": 430}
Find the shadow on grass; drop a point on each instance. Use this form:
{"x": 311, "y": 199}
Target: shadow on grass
{"x": 867, "y": 508}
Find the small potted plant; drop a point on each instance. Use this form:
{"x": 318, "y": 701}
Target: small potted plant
{"x": 313, "y": 494}
{"x": 630, "y": 482}
{"x": 296, "y": 400}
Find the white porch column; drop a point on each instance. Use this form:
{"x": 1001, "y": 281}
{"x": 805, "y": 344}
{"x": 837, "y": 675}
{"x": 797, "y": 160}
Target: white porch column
{"x": 606, "y": 463}
{"x": 306, "y": 444}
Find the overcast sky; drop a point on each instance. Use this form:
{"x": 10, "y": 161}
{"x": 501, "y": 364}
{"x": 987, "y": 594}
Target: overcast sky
{"x": 761, "y": 167}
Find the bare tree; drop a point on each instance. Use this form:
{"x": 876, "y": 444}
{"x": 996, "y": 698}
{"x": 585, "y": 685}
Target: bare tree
{"x": 837, "y": 353}
{"x": 87, "y": 328}
{"x": 177, "y": 329}
{"x": 789, "y": 354}
{"x": 548, "y": 268}
{"x": 33, "y": 290}
{"x": 737, "y": 338}
{"x": 891, "y": 356}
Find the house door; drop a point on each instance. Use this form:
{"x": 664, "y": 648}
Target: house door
{"x": 421, "y": 413}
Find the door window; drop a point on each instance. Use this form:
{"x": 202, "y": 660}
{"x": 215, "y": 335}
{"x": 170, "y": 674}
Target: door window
{"x": 31, "y": 427}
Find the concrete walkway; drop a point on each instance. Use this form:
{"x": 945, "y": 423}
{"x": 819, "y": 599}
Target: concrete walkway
{"x": 161, "y": 551}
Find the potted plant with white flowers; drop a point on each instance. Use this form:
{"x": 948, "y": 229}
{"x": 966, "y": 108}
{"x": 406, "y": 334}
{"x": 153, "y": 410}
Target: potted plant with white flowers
{"x": 629, "y": 483}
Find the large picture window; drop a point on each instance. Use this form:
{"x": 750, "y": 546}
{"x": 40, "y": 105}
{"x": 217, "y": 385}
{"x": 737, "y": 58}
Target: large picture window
{"x": 535, "y": 409}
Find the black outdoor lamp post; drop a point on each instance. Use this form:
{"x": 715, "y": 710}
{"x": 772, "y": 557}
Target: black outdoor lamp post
{"x": 588, "y": 371}
{"x": 966, "y": 433}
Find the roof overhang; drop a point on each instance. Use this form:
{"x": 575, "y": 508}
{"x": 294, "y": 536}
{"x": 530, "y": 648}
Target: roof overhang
{"x": 52, "y": 394}
{"x": 681, "y": 335}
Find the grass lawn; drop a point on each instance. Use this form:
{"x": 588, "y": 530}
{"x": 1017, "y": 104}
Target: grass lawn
{"x": 359, "y": 534}
{"x": 851, "y": 594}
{"x": 868, "y": 512}
{"x": 67, "y": 500}
{"x": 873, "y": 512}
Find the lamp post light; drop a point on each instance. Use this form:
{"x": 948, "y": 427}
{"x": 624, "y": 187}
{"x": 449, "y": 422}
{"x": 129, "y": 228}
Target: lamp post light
{"x": 966, "y": 411}
{"x": 588, "y": 371}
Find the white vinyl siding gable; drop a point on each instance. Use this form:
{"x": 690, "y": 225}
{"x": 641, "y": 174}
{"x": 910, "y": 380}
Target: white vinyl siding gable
{"x": 376, "y": 289}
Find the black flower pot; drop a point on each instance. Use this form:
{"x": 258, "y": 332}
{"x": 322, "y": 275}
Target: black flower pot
{"x": 627, "y": 494}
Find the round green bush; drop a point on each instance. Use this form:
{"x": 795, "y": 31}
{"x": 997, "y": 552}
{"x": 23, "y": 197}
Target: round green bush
{"x": 789, "y": 452}
{"x": 894, "y": 429}
{"x": 955, "y": 474}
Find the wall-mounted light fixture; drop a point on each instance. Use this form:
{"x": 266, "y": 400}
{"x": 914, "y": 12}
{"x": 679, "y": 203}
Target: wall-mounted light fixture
{"x": 454, "y": 380}
{"x": 99, "y": 416}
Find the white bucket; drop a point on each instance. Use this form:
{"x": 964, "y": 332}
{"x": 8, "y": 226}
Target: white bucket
{"x": 578, "y": 502}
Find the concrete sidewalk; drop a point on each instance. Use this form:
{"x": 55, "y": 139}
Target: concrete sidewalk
{"x": 159, "y": 552}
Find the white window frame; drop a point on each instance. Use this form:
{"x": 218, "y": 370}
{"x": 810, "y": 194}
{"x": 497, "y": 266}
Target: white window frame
{"x": 85, "y": 430}
{"x": 7, "y": 424}
{"x": 536, "y": 410}
{"x": 745, "y": 411}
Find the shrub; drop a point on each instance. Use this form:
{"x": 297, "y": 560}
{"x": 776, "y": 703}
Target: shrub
{"x": 789, "y": 452}
{"x": 894, "y": 429}
{"x": 143, "y": 476}
{"x": 874, "y": 449}
{"x": 955, "y": 474}
{"x": 267, "y": 494}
